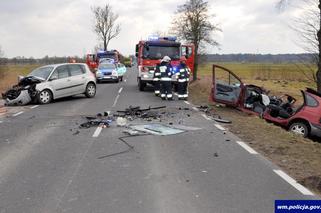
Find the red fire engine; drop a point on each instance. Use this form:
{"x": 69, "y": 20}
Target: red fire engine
{"x": 150, "y": 52}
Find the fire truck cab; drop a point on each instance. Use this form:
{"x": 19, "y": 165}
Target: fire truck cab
{"x": 150, "y": 52}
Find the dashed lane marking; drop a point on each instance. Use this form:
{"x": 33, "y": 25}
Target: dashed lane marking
{"x": 33, "y": 107}
{"x": 219, "y": 127}
{"x": 125, "y": 80}
{"x": 194, "y": 108}
{"x": 116, "y": 99}
{"x": 97, "y": 132}
{"x": 1, "y": 122}
{"x": 119, "y": 91}
{"x": 293, "y": 183}
{"x": 247, "y": 147}
{"x": 186, "y": 102}
{"x": 19, "y": 113}
{"x": 206, "y": 117}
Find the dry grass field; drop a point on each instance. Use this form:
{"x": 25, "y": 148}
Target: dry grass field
{"x": 9, "y": 74}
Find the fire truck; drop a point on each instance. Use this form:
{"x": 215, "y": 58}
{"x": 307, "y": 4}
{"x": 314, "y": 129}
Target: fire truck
{"x": 150, "y": 52}
{"x": 93, "y": 60}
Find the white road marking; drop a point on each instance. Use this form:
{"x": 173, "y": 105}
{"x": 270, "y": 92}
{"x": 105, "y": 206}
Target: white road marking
{"x": 175, "y": 93}
{"x": 186, "y": 102}
{"x": 19, "y": 113}
{"x": 219, "y": 127}
{"x": 125, "y": 80}
{"x": 121, "y": 89}
{"x": 247, "y": 147}
{"x": 116, "y": 99}
{"x": 35, "y": 106}
{"x": 97, "y": 132}
{"x": 293, "y": 183}
{"x": 206, "y": 117}
{"x": 194, "y": 108}
{"x": 1, "y": 122}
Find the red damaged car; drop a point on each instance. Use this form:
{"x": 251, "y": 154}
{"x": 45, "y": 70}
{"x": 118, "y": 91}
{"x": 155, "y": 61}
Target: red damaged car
{"x": 227, "y": 88}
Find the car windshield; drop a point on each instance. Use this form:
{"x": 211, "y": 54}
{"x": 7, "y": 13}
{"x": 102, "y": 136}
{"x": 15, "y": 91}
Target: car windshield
{"x": 41, "y": 72}
{"x": 106, "y": 66}
{"x": 158, "y": 52}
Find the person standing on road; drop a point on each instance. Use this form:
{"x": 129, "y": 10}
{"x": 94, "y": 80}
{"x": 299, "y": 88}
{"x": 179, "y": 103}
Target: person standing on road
{"x": 183, "y": 79}
{"x": 166, "y": 79}
{"x": 156, "y": 79}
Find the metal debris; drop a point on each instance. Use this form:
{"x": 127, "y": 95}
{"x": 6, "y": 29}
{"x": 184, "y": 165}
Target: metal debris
{"x": 99, "y": 120}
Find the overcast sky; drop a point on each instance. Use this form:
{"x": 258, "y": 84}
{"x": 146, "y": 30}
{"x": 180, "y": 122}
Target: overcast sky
{"x": 64, "y": 27}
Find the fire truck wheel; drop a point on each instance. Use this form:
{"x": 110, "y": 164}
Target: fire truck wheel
{"x": 141, "y": 85}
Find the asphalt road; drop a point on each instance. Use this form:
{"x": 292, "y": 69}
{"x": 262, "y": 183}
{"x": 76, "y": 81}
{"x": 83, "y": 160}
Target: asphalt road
{"x": 48, "y": 164}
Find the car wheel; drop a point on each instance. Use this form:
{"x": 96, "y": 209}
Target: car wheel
{"x": 45, "y": 97}
{"x": 117, "y": 81}
{"x": 90, "y": 90}
{"x": 299, "y": 128}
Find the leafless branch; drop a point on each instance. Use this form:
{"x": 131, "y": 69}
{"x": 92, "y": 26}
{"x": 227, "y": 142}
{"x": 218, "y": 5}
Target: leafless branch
{"x": 105, "y": 24}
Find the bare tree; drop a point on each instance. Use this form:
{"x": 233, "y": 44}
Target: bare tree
{"x": 192, "y": 23}
{"x": 105, "y": 24}
{"x": 309, "y": 28}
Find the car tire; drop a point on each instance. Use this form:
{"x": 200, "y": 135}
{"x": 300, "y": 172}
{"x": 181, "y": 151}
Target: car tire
{"x": 141, "y": 85}
{"x": 300, "y": 128}
{"x": 90, "y": 90}
{"x": 45, "y": 97}
{"x": 117, "y": 81}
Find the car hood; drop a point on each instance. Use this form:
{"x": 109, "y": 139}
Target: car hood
{"x": 106, "y": 70}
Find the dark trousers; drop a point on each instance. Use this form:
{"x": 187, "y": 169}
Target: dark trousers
{"x": 157, "y": 87}
{"x": 182, "y": 89}
{"x": 166, "y": 89}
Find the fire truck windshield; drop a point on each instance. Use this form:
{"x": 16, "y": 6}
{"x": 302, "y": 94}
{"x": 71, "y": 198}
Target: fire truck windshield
{"x": 158, "y": 52}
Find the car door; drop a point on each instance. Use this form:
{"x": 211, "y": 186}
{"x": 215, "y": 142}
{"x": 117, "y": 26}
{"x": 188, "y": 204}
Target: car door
{"x": 227, "y": 88}
{"x": 60, "y": 81}
{"x": 78, "y": 78}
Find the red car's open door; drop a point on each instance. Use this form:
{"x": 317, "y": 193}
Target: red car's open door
{"x": 227, "y": 87}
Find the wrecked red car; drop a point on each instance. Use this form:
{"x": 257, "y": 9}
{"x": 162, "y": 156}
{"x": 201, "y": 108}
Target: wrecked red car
{"x": 305, "y": 119}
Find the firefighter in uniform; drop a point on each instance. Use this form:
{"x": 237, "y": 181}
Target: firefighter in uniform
{"x": 183, "y": 79}
{"x": 166, "y": 79}
{"x": 156, "y": 79}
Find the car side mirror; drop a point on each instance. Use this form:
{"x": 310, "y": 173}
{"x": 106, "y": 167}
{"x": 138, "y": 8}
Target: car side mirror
{"x": 53, "y": 78}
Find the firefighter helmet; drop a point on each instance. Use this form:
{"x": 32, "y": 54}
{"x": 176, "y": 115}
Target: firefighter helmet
{"x": 166, "y": 59}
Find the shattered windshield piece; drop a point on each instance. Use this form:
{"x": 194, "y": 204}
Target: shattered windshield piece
{"x": 157, "y": 129}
